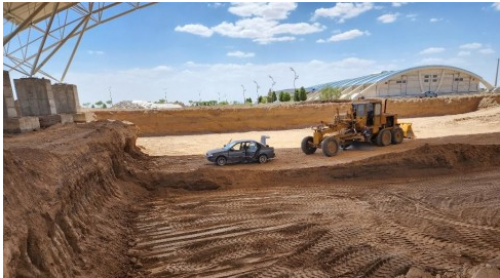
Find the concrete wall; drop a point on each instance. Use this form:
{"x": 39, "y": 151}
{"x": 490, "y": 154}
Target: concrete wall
{"x": 35, "y": 97}
{"x": 9, "y": 108}
{"x": 66, "y": 98}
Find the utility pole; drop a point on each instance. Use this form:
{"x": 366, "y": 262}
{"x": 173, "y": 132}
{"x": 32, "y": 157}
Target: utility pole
{"x": 295, "y": 77}
{"x": 273, "y": 82}
{"x": 244, "y": 90}
{"x": 496, "y": 75}
{"x": 257, "y": 90}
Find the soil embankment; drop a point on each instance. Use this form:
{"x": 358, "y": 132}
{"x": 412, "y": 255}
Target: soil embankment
{"x": 82, "y": 201}
{"x": 278, "y": 117}
{"x": 66, "y": 201}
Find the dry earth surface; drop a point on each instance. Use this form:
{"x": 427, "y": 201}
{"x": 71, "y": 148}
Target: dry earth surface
{"x": 84, "y": 201}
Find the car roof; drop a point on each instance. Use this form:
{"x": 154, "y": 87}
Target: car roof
{"x": 242, "y": 141}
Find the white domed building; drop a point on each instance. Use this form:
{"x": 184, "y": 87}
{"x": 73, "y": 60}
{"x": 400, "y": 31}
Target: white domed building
{"x": 410, "y": 82}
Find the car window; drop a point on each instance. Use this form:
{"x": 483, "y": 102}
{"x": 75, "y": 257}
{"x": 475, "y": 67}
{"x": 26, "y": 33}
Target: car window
{"x": 236, "y": 147}
{"x": 252, "y": 146}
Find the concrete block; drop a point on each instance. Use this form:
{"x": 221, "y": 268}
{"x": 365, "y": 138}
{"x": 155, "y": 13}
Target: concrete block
{"x": 9, "y": 108}
{"x": 67, "y": 118}
{"x": 35, "y": 97}
{"x": 50, "y": 120}
{"x": 83, "y": 117}
{"x": 66, "y": 98}
{"x": 20, "y": 125}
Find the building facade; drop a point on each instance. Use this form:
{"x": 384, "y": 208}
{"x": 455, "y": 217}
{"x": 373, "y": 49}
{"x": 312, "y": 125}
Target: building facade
{"x": 410, "y": 82}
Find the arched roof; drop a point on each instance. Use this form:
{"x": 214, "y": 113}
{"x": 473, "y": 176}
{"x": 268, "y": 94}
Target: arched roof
{"x": 386, "y": 75}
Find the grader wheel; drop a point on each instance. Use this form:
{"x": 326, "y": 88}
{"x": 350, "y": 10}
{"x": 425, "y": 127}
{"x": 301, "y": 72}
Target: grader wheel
{"x": 307, "y": 145}
{"x": 397, "y": 136}
{"x": 384, "y": 138}
{"x": 330, "y": 146}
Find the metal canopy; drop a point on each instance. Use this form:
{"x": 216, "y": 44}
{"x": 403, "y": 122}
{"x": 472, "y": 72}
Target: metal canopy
{"x": 39, "y": 30}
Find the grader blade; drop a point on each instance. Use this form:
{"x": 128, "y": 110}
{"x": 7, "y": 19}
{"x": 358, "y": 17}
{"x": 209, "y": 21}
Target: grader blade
{"x": 407, "y": 130}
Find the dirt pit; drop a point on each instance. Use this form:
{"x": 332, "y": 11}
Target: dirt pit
{"x": 84, "y": 201}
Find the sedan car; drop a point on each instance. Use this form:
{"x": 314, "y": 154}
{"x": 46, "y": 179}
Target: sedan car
{"x": 429, "y": 94}
{"x": 241, "y": 151}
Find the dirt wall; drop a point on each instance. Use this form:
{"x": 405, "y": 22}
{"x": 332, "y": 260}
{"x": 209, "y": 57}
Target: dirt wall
{"x": 227, "y": 119}
{"x": 66, "y": 198}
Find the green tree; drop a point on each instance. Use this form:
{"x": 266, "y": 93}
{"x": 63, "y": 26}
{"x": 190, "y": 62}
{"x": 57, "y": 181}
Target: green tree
{"x": 302, "y": 94}
{"x": 248, "y": 100}
{"x": 109, "y": 102}
{"x": 280, "y": 96}
{"x": 262, "y": 99}
{"x": 330, "y": 93}
{"x": 104, "y": 105}
{"x": 99, "y": 103}
{"x": 86, "y": 104}
{"x": 296, "y": 96}
{"x": 286, "y": 97}
{"x": 160, "y": 101}
{"x": 273, "y": 97}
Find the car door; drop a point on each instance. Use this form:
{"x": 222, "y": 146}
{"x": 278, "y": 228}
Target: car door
{"x": 251, "y": 150}
{"x": 237, "y": 153}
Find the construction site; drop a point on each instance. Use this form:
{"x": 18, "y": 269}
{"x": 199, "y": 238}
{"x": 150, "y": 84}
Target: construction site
{"x": 129, "y": 193}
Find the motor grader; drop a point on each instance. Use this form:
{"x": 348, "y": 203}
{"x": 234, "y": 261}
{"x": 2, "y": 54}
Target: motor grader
{"x": 366, "y": 122}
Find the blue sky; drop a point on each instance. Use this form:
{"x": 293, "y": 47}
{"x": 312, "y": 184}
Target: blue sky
{"x": 208, "y": 50}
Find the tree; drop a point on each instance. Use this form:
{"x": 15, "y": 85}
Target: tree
{"x": 302, "y": 94}
{"x": 160, "y": 101}
{"x": 262, "y": 99}
{"x": 109, "y": 102}
{"x": 104, "y": 106}
{"x": 286, "y": 97}
{"x": 86, "y": 104}
{"x": 248, "y": 100}
{"x": 99, "y": 103}
{"x": 92, "y": 106}
{"x": 273, "y": 97}
{"x": 296, "y": 96}
{"x": 330, "y": 93}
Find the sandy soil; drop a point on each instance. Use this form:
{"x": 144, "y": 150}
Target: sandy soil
{"x": 479, "y": 122}
{"x": 83, "y": 201}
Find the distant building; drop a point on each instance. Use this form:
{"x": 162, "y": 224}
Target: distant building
{"x": 409, "y": 82}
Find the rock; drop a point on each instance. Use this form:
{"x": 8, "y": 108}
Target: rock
{"x": 138, "y": 265}
{"x": 132, "y": 253}
{"x": 485, "y": 272}
{"x": 133, "y": 260}
{"x": 132, "y": 243}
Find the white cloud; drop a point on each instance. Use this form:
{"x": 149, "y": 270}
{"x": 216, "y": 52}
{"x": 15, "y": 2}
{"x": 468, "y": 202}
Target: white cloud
{"x": 196, "y": 29}
{"x": 343, "y": 11}
{"x": 412, "y": 17}
{"x": 496, "y": 6}
{"x": 265, "y": 31}
{"x": 388, "y": 18}
{"x": 215, "y": 5}
{"x": 98, "y": 52}
{"x": 162, "y": 68}
{"x": 260, "y": 23}
{"x": 348, "y": 35}
{"x": 474, "y": 45}
{"x": 240, "y": 54}
{"x": 272, "y": 10}
{"x": 432, "y": 50}
{"x": 487, "y": 51}
{"x": 398, "y": 4}
{"x": 464, "y": 53}
{"x": 432, "y": 20}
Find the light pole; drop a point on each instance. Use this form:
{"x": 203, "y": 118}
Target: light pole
{"x": 295, "y": 77}
{"x": 110, "y": 96}
{"x": 272, "y": 87}
{"x": 244, "y": 90}
{"x": 496, "y": 76}
{"x": 257, "y": 90}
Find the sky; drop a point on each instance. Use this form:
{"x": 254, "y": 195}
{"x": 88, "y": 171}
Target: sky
{"x": 220, "y": 51}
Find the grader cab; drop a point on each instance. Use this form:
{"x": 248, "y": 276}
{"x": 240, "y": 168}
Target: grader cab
{"x": 366, "y": 122}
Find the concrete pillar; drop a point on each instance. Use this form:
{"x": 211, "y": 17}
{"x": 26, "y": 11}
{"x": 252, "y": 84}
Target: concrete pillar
{"x": 35, "y": 97}
{"x": 9, "y": 107}
{"x": 66, "y": 98}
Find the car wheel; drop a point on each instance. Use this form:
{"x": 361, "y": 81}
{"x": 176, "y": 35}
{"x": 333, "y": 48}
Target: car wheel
{"x": 221, "y": 161}
{"x": 262, "y": 158}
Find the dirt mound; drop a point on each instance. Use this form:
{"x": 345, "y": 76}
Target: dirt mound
{"x": 488, "y": 102}
{"x": 66, "y": 201}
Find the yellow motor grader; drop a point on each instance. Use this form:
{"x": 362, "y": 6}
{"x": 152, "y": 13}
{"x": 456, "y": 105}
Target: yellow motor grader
{"x": 366, "y": 122}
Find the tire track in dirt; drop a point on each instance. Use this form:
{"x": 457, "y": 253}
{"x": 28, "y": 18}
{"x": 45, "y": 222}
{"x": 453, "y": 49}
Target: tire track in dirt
{"x": 367, "y": 229}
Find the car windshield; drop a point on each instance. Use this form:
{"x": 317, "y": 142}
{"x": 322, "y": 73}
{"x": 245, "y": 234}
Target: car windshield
{"x": 230, "y": 145}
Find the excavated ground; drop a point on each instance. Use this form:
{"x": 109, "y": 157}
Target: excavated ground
{"x": 83, "y": 201}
